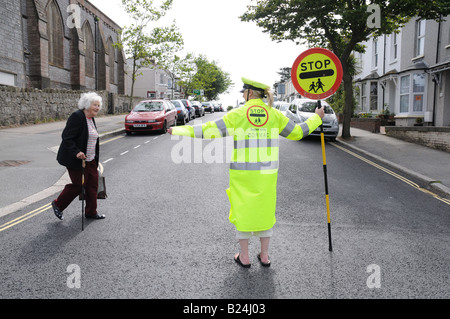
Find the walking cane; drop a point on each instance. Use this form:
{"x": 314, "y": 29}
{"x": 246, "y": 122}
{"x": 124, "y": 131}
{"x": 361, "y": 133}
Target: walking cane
{"x": 83, "y": 165}
{"x": 322, "y": 139}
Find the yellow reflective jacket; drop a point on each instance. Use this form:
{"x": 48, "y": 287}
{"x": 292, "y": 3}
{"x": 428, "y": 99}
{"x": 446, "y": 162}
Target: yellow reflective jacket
{"x": 255, "y": 128}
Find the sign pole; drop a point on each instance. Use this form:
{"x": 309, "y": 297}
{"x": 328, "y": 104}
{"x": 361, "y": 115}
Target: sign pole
{"x": 317, "y": 74}
{"x": 327, "y": 199}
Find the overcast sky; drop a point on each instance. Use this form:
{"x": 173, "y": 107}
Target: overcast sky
{"x": 213, "y": 28}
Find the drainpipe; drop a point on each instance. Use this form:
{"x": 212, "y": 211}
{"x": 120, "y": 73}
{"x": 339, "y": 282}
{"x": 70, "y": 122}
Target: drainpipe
{"x": 384, "y": 69}
{"x": 437, "y": 60}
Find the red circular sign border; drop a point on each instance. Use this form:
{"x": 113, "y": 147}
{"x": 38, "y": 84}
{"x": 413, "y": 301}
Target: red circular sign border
{"x": 248, "y": 110}
{"x": 339, "y": 71}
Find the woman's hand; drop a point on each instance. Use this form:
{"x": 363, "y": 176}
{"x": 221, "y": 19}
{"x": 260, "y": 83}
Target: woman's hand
{"x": 320, "y": 112}
{"x": 81, "y": 156}
{"x": 169, "y": 130}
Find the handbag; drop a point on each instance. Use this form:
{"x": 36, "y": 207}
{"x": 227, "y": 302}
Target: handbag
{"x": 101, "y": 190}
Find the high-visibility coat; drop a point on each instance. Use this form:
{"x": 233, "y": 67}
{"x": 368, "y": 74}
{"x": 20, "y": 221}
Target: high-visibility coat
{"x": 255, "y": 128}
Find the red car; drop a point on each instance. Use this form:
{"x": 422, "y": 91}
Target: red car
{"x": 151, "y": 115}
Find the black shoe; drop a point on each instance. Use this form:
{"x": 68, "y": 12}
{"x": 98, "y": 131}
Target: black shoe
{"x": 263, "y": 264}
{"x": 96, "y": 216}
{"x": 57, "y": 212}
{"x": 238, "y": 260}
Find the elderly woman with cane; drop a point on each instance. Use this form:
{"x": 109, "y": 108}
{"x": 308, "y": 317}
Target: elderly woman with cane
{"x": 80, "y": 143}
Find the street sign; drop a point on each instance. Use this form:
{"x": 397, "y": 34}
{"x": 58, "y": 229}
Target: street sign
{"x": 317, "y": 73}
{"x": 199, "y": 92}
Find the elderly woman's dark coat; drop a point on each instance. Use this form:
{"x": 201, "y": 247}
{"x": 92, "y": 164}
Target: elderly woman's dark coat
{"x": 74, "y": 140}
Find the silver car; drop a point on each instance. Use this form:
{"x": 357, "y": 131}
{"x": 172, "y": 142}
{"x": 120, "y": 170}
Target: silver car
{"x": 301, "y": 109}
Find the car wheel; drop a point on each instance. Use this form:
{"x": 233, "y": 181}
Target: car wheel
{"x": 164, "y": 129}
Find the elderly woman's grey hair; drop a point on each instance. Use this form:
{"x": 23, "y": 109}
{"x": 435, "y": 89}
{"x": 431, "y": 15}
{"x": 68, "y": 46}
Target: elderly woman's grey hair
{"x": 86, "y": 100}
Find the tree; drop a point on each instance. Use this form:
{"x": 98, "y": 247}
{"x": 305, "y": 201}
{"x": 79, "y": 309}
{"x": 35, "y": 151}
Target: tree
{"x": 186, "y": 73}
{"x": 340, "y": 25}
{"x": 210, "y": 78}
{"x": 146, "y": 47}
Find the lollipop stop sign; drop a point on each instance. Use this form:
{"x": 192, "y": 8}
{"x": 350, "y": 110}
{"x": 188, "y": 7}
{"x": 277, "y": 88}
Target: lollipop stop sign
{"x": 317, "y": 73}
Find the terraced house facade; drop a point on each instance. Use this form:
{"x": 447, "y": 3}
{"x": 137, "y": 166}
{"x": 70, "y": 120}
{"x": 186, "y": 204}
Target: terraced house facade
{"x": 408, "y": 73}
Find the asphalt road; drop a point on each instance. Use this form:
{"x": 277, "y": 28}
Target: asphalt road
{"x": 167, "y": 235}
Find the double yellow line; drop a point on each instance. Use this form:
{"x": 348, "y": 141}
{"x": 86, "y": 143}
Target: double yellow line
{"x": 23, "y": 218}
{"x": 403, "y": 179}
{"x": 46, "y": 207}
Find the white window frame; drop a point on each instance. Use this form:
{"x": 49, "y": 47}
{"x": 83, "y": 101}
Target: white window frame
{"x": 373, "y": 98}
{"x": 411, "y": 93}
{"x": 420, "y": 37}
{"x": 363, "y": 96}
{"x": 375, "y": 53}
{"x": 394, "y": 47}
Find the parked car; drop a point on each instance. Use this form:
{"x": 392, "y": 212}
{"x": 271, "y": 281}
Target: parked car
{"x": 217, "y": 107}
{"x": 151, "y": 115}
{"x": 208, "y": 106}
{"x": 182, "y": 112}
{"x": 199, "y": 109}
{"x": 188, "y": 105}
{"x": 282, "y": 106}
{"x": 301, "y": 109}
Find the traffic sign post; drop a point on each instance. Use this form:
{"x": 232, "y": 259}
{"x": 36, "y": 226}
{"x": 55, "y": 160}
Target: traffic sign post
{"x": 317, "y": 74}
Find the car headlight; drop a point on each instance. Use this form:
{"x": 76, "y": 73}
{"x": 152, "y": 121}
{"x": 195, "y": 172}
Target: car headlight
{"x": 128, "y": 121}
{"x": 151, "y": 121}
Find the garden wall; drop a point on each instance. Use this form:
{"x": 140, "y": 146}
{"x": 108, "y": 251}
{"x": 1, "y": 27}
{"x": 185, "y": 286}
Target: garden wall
{"x": 28, "y": 106}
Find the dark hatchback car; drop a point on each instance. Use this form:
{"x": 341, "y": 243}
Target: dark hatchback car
{"x": 190, "y": 107}
{"x": 182, "y": 112}
{"x": 209, "y": 107}
{"x": 199, "y": 109}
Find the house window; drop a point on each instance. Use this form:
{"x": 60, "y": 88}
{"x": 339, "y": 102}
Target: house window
{"x": 111, "y": 60}
{"x": 412, "y": 93}
{"x": 363, "y": 96}
{"x": 394, "y": 51}
{"x": 418, "y": 91}
{"x": 420, "y": 37}
{"x": 375, "y": 53}
{"x": 55, "y": 35}
{"x": 373, "y": 95}
{"x": 89, "y": 50}
{"x": 404, "y": 93}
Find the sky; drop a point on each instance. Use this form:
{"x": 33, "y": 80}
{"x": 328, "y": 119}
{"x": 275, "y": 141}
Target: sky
{"x": 213, "y": 28}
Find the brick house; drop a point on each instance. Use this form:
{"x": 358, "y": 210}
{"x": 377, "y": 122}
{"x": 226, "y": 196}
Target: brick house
{"x": 59, "y": 44}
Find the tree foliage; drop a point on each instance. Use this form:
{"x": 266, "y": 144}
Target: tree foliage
{"x": 143, "y": 44}
{"x": 210, "y": 78}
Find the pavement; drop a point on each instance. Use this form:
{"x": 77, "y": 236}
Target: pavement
{"x": 31, "y": 151}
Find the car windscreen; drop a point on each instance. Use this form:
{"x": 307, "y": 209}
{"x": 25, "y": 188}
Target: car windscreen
{"x": 283, "y": 107}
{"x": 176, "y": 103}
{"x": 311, "y": 107}
{"x": 149, "y": 107}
